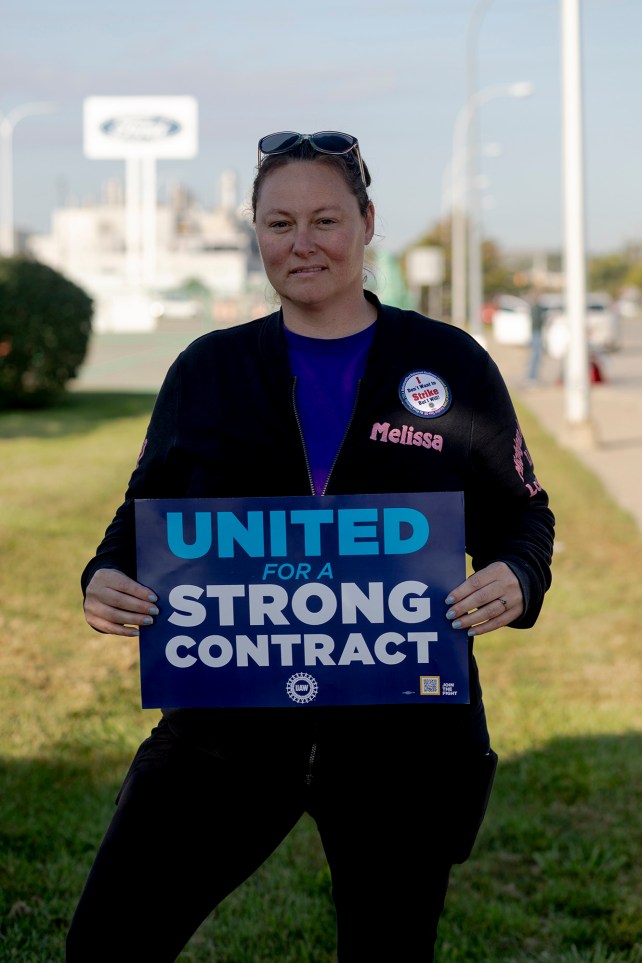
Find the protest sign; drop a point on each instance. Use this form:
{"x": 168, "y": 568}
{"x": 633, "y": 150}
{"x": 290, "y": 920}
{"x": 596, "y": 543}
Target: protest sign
{"x": 294, "y": 601}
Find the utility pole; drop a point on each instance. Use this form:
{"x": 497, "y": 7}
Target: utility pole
{"x": 576, "y": 362}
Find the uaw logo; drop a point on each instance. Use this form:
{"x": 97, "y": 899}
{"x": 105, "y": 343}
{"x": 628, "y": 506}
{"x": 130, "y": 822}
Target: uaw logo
{"x": 140, "y": 129}
{"x": 302, "y": 687}
{"x": 425, "y": 394}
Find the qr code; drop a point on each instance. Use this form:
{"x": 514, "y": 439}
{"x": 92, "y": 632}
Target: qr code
{"x": 429, "y": 685}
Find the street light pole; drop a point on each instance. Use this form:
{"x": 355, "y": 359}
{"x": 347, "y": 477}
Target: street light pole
{"x": 475, "y": 265}
{"x": 458, "y": 219}
{"x": 462, "y": 205}
{"x": 7, "y": 124}
{"x": 463, "y": 172}
{"x": 472, "y": 170}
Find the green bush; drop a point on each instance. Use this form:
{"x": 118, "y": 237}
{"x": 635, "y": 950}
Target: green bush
{"x": 45, "y": 324}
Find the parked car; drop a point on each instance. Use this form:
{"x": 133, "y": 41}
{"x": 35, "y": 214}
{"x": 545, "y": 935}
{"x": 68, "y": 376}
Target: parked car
{"x": 602, "y": 326}
{"x": 629, "y": 304}
{"x": 603, "y": 320}
{"x": 511, "y": 320}
{"x": 176, "y": 305}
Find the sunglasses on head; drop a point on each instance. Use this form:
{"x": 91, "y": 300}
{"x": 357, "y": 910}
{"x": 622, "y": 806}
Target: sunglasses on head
{"x": 324, "y": 141}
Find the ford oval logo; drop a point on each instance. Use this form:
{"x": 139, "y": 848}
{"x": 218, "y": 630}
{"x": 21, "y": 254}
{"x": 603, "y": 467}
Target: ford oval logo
{"x": 142, "y": 129}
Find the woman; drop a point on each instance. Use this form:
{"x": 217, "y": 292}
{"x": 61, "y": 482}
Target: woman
{"x": 304, "y": 401}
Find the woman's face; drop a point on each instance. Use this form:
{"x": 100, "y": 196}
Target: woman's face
{"x": 312, "y": 235}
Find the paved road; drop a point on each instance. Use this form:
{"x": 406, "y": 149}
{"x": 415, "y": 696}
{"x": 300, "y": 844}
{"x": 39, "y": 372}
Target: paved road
{"x": 138, "y": 362}
{"x": 134, "y": 362}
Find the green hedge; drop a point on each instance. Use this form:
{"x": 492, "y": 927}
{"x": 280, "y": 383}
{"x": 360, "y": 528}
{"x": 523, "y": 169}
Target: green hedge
{"x": 45, "y": 325}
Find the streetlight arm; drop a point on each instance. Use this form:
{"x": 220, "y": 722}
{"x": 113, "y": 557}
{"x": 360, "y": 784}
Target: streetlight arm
{"x": 7, "y": 123}
{"x": 23, "y": 110}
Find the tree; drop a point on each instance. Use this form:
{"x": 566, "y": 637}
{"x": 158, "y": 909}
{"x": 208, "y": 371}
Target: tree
{"x": 45, "y": 325}
{"x": 608, "y": 273}
{"x": 634, "y": 276}
{"x": 498, "y": 278}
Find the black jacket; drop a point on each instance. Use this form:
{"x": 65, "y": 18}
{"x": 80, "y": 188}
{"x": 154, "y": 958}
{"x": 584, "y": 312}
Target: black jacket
{"x": 225, "y": 425}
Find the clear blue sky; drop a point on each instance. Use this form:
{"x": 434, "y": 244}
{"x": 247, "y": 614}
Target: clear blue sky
{"x": 393, "y": 72}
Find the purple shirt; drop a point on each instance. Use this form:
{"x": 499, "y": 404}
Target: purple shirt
{"x": 327, "y": 372}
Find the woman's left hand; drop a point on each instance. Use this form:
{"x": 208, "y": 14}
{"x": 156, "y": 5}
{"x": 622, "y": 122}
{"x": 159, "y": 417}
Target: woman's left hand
{"x": 488, "y": 600}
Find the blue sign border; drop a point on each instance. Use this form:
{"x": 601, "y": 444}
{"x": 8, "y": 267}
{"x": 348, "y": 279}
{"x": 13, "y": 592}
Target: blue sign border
{"x": 392, "y": 645}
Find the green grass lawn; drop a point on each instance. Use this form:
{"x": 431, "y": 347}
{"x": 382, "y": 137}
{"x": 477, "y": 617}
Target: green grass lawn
{"x": 557, "y": 871}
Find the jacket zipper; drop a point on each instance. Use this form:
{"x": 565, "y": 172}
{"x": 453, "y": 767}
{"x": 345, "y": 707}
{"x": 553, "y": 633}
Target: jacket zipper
{"x": 309, "y": 774}
{"x": 339, "y": 449}
{"x": 298, "y": 424}
{"x": 345, "y": 434}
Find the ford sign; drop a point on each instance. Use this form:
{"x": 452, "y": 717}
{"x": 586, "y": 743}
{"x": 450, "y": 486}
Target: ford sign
{"x": 140, "y": 129}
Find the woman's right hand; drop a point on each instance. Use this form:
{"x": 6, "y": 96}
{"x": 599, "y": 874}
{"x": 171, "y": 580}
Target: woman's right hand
{"x": 116, "y": 604}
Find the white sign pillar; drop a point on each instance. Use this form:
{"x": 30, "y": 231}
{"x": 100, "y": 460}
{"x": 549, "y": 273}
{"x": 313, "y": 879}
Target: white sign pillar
{"x": 148, "y": 211}
{"x": 133, "y": 266}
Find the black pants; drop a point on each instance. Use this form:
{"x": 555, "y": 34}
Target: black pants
{"x": 196, "y": 818}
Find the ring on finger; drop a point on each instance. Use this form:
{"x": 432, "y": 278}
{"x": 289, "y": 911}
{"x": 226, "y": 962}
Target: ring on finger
{"x": 504, "y": 603}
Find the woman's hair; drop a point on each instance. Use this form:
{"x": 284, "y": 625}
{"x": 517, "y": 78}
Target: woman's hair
{"x": 346, "y": 164}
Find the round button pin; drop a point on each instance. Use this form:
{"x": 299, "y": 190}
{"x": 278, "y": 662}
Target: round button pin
{"x": 425, "y": 394}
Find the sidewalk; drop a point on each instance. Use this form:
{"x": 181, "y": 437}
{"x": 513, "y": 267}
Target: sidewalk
{"x": 613, "y": 448}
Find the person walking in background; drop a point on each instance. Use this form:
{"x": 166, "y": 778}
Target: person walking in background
{"x": 538, "y": 317}
{"x": 311, "y": 400}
